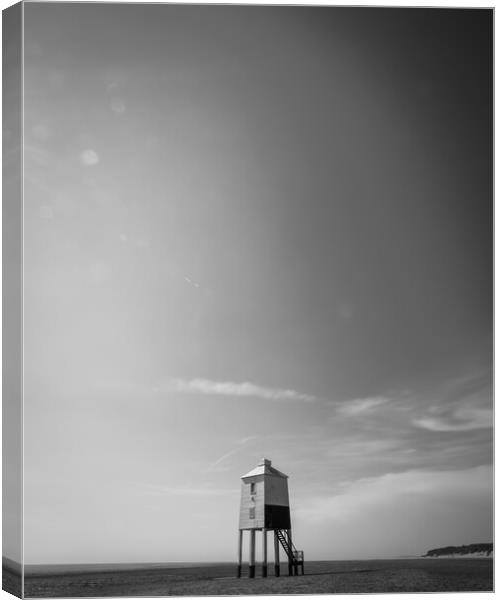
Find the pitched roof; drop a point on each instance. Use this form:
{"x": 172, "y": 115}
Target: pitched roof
{"x": 264, "y": 468}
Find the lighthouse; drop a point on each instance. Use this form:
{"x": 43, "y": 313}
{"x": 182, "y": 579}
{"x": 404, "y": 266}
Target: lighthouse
{"x": 265, "y": 507}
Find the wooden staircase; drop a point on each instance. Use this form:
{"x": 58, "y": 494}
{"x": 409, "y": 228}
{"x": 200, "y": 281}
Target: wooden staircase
{"x": 295, "y": 557}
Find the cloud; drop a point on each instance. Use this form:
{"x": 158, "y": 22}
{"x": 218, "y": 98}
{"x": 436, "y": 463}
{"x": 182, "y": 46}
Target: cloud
{"x": 471, "y": 385}
{"x": 229, "y": 388}
{"x": 207, "y": 387}
{"x": 467, "y": 404}
{"x": 411, "y": 512}
{"x": 222, "y": 458}
{"x": 370, "y": 493}
{"x": 462, "y": 418}
{"x": 362, "y": 405}
{"x": 241, "y": 443}
{"x": 89, "y": 157}
{"x": 247, "y": 439}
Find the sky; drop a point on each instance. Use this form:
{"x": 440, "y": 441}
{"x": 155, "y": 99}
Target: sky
{"x": 256, "y": 231}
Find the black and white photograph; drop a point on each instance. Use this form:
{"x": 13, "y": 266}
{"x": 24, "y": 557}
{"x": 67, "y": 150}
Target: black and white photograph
{"x": 247, "y": 299}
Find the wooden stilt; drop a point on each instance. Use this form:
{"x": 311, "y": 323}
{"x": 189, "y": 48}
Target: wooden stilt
{"x": 295, "y": 565}
{"x": 290, "y": 566}
{"x": 240, "y": 551}
{"x": 251, "y": 562}
{"x": 276, "y": 555}
{"x": 264, "y": 552}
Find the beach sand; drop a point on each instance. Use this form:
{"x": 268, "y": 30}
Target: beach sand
{"x": 330, "y": 577}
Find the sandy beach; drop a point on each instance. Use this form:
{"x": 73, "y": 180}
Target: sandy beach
{"x": 322, "y": 577}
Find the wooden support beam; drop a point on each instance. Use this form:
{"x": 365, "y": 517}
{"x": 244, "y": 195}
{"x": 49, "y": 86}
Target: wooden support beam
{"x": 240, "y": 552}
{"x": 290, "y": 565}
{"x": 276, "y": 555}
{"x": 251, "y": 562}
{"x": 264, "y": 552}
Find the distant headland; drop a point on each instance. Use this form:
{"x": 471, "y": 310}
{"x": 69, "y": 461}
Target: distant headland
{"x": 470, "y": 550}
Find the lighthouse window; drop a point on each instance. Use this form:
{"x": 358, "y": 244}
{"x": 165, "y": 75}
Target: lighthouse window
{"x": 252, "y": 488}
{"x": 252, "y": 512}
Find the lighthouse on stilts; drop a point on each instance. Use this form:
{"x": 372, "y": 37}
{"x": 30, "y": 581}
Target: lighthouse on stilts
{"x": 265, "y": 507}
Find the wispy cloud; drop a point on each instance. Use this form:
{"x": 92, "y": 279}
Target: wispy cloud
{"x": 240, "y": 444}
{"x": 463, "y": 418}
{"x": 222, "y": 458}
{"x": 470, "y": 385}
{"x": 207, "y": 387}
{"x": 411, "y": 511}
{"x": 362, "y": 405}
{"x": 366, "y": 494}
{"x": 467, "y": 404}
{"x": 230, "y": 388}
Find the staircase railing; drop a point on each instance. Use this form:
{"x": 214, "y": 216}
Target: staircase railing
{"x": 295, "y": 557}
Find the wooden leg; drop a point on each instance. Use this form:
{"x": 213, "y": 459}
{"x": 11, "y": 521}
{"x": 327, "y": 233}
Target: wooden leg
{"x": 276, "y": 555}
{"x": 264, "y": 553}
{"x": 240, "y": 552}
{"x": 251, "y": 563}
{"x": 290, "y": 565}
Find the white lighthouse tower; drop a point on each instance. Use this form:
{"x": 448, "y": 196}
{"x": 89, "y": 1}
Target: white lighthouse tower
{"x": 265, "y": 507}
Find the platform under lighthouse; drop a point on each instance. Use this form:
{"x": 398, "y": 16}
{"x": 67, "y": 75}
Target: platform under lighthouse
{"x": 264, "y": 507}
